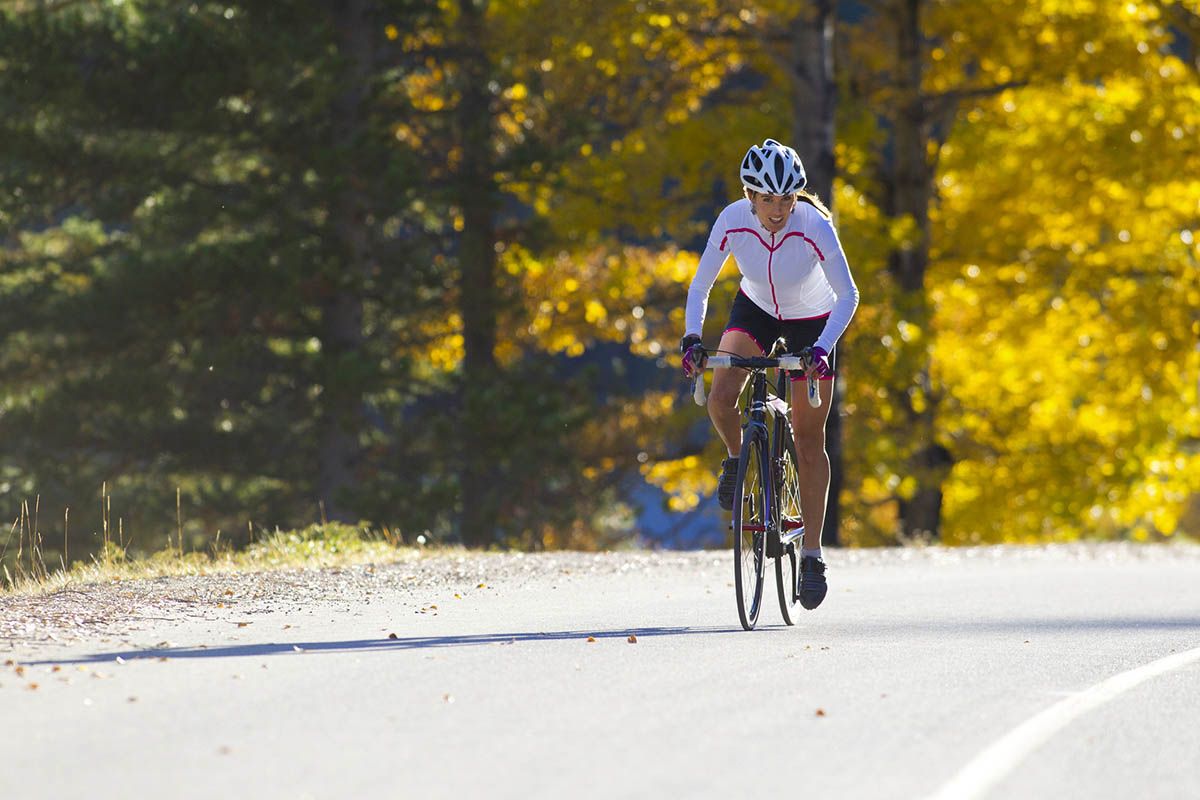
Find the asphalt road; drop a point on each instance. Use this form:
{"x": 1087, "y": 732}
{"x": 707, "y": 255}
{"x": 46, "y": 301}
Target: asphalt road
{"x": 1070, "y": 672}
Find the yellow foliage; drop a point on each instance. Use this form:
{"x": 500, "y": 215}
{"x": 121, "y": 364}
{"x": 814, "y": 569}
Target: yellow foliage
{"x": 1063, "y": 283}
{"x": 685, "y": 480}
{"x": 611, "y": 280}
{"x": 1060, "y": 312}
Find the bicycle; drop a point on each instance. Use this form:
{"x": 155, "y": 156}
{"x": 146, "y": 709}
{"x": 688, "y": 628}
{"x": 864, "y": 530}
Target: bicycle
{"x": 766, "y": 513}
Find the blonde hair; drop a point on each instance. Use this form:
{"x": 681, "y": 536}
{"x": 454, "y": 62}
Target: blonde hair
{"x": 815, "y": 202}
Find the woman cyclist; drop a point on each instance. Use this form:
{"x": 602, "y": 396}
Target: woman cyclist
{"x": 795, "y": 284}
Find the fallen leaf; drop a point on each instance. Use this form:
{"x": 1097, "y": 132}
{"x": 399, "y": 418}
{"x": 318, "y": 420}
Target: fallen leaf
{"x": 56, "y": 668}
{"x": 220, "y": 605}
{"x": 229, "y": 592}
{"x": 393, "y": 636}
{"x": 131, "y": 700}
{"x": 433, "y": 607}
{"x": 163, "y": 658}
{"x": 242, "y": 624}
{"x": 481, "y": 586}
{"x": 632, "y": 639}
{"x": 591, "y": 638}
{"x": 33, "y": 687}
{"x": 820, "y": 712}
{"x": 285, "y": 627}
{"x": 19, "y": 670}
{"x": 457, "y": 596}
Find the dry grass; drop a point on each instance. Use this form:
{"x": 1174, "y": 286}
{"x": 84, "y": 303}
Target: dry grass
{"x": 321, "y": 545}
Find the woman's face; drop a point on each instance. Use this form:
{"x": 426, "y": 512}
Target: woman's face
{"x": 772, "y": 210}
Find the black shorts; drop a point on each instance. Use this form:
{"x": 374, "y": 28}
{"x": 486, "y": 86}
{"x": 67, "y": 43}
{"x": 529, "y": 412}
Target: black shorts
{"x": 764, "y": 329}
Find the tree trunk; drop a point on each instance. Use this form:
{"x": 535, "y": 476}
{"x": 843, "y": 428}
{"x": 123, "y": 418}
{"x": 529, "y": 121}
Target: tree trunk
{"x": 911, "y": 191}
{"x": 813, "y": 133}
{"x": 342, "y": 311}
{"x": 477, "y": 279}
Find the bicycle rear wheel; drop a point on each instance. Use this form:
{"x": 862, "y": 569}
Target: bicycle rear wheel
{"x": 750, "y": 514}
{"x": 787, "y": 492}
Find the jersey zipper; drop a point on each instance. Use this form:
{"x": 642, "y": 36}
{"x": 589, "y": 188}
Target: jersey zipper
{"x": 770, "y": 278}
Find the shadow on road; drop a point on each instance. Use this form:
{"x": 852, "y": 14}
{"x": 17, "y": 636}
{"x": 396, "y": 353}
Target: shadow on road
{"x": 853, "y": 633}
{"x": 362, "y": 645}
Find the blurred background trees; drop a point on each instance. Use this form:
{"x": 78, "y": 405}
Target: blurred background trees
{"x": 422, "y": 262}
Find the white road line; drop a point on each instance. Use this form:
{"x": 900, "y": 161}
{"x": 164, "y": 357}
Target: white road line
{"x": 990, "y": 766}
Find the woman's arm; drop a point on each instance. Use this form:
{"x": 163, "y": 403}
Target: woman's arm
{"x": 709, "y": 267}
{"x": 837, "y": 272}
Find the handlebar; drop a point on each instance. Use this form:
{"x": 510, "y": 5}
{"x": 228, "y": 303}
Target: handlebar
{"x": 796, "y": 363}
{"x": 757, "y": 362}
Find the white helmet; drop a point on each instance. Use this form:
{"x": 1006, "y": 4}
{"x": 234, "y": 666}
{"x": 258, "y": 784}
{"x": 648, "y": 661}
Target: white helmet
{"x": 773, "y": 168}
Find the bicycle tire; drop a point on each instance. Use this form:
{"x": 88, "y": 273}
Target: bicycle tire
{"x": 787, "y": 509}
{"x": 751, "y": 512}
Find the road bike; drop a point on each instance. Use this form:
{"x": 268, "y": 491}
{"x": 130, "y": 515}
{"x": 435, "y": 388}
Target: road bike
{"x": 766, "y": 502}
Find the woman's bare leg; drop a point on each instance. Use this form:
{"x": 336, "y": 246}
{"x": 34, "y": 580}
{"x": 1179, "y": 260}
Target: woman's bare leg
{"x": 808, "y": 430}
{"x": 727, "y": 386}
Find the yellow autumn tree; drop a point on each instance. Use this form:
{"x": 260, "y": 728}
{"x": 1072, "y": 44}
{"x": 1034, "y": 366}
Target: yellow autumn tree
{"x": 566, "y": 85}
{"x": 1054, "y": 352}
{"x": 1069, "y": 296}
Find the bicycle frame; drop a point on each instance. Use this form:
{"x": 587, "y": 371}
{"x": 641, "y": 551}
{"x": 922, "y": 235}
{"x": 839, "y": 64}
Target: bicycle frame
{"x": 781, "y": 534}
{"x": 759, "y": 403}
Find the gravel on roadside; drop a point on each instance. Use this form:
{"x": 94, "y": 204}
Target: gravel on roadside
{"x": 90, "y": 611}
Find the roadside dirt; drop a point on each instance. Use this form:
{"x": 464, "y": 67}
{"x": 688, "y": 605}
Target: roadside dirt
{"x": 109, "y": 610}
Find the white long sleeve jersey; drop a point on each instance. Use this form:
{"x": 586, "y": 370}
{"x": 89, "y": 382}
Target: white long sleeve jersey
{"x": 798, "y": 273}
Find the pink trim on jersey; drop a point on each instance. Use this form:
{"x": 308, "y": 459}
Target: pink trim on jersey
{"x": 751, "y": 335}
{"x": 778, "y": 244}
{"x": 771, "y": 258}
{"x": 771, "y": 279}
{"x": 806, "y": 319}
{"x": 811, "y": 243}
{"x": 745, "y": 230}
{"x": 799, "y": 376}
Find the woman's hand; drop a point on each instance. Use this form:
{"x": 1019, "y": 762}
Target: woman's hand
{"x": 694, "y": 355}
{"x": 819, "y": 368}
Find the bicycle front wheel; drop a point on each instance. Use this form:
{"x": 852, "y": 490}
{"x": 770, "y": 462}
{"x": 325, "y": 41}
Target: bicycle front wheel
{"x": 750, "y": 515}
{"x": 787, "y": 492}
